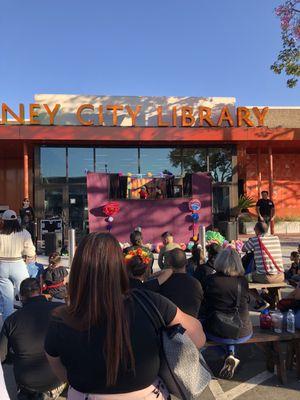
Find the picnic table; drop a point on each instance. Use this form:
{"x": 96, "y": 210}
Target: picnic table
{"x": 274, "y": 290}
{"x": 277, "y": 348}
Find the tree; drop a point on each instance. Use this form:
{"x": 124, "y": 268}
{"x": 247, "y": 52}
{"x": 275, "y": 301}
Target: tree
{"x": 289, "y": 57}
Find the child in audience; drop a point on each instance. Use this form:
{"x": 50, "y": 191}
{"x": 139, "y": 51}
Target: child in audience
{"x": 35, "y": 269}
{"x": 294, "y": 272}
{"x": 54, "y": 278}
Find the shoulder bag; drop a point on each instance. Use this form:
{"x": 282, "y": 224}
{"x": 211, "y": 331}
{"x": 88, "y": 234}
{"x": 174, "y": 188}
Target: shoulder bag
{"x": 264, "y": 249}
{"x": 182, "y": 367}
{"x": 227, "y": 325}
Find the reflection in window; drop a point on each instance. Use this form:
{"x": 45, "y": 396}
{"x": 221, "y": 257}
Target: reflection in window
{"x": 53, "y": 164}
{"x": 113, "y": 160}
{"x": 80, "y": 160}
{"x": 161, "y": 160}
{"x": 221, "y": 202}
{"x": 53, "y": 203}
{"x": 194, "y": 160}
{"x": 220, "y": 164}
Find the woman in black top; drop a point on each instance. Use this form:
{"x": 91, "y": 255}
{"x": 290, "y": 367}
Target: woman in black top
{"x": 137, "y": 269}
{"x": 221, "y": 294}
{"x": 102, "y": 342}
{"x": 26, "y": 210}
{"x": 55, "y": 278}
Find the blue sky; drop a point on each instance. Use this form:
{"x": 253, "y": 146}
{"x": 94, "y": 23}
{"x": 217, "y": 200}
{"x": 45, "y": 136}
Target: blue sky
{"x": 155, "y": 47}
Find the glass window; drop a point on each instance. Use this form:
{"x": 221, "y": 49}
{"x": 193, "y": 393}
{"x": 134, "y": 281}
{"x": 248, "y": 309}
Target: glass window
{"x": 78, "y": 209}
{"x": 194, "y": 160}
{"x": 53, "y": 202}
{"x": 160, "y": 160}
{"x": 220, "y": 164}
{"x": 221, "y": 202}
{"x": 53, "y": 164}
{"x": 114, "y": 160}
{"x": 80, "y": 160}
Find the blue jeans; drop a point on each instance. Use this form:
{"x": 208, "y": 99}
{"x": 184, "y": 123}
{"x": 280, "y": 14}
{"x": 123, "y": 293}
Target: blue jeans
{"x": 229, "y": 343}
{"x": 11, "y": 275}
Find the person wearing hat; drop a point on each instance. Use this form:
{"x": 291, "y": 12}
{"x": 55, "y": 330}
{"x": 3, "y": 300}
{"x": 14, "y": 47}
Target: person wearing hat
{"x": 15, "y": 242}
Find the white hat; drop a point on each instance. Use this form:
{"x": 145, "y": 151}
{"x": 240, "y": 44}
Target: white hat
{"x": 9, "y": 215}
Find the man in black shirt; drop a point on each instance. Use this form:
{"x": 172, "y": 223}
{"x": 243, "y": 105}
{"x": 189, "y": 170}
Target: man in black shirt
{"x": 23, "y": 333}
{"x": 265, "y": 208}
{"x": 183, "y": 290}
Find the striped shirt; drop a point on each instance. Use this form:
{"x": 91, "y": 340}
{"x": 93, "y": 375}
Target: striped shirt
{"x": 272, "y": 244}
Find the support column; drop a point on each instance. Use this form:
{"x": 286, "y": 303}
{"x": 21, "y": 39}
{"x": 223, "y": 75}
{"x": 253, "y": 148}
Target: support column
{"x": 258, "y": 172}
{"x": 271, "y": 181}
{"x": 25, "y": 171}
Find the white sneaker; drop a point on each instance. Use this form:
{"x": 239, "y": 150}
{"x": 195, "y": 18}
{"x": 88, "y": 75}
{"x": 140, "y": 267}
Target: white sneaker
{"x": 229, "y": 367}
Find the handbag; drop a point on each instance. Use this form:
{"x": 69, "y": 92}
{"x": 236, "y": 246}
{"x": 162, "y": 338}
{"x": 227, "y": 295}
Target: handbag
{"x": 227, "y": 325}
{"x": 182, "y": 367}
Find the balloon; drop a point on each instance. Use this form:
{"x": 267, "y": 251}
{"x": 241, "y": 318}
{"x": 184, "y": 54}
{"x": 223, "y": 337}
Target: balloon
{"x": 190, "y": 245}
{"x": 129, "y": 174}
{"x": 149, "y": 174}
{"x": 110, "y": 219}
{"x": 195, "y": 217}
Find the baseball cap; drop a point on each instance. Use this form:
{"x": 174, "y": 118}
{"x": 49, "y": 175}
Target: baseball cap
{"x": 9, "y": 215}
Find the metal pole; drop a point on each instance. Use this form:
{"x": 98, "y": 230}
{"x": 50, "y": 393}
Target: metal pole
{"x": 202, "y": 240}
{"x": 71, "y": 245}
{"x": 271, "y": 183}
{"x": 25, "y": 172}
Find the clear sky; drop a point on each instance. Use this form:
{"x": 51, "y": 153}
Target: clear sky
{"x": 142, "y": 47}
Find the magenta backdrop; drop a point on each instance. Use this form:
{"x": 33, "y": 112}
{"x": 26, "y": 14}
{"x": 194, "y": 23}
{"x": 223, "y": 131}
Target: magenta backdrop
{"x": 153, "y": 216}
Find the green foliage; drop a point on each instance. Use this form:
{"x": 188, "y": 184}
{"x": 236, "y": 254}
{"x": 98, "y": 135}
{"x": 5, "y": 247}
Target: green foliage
{"x": 288, "y": 60}
{"x": 245, "y": 202}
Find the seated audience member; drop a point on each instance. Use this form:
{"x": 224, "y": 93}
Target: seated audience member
{"x": 55, "y": 278}
{"x": 221, "y": 295}
{"x": 35, "y": 269}
{"x": 103, "y": 339}
{"x": 136, "y": 239}
{"x": 267, "y": 259}
{"x": 23, "y": 334}
{"x": 204, "y": 270}
{"x": 137, "y": 269}
{"x": 267, "y": 255}
{"x": 183, "y": 290}
{"x": 3, "y": 391}
{"x": 168, "y": 241}
{"x": 196, "y": 259}
{"x": 294, "y": 272}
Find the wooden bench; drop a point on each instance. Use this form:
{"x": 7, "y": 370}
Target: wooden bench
{"x": 275, "y": 346}
{"x": 274, "y": 290}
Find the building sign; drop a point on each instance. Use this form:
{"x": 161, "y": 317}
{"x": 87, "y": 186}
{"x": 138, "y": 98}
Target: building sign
{"x": 184, "y": 112}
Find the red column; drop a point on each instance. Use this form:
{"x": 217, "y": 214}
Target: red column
{"x": 271, "y": 180}
{"x": 25, "y": 172}
{"x": 258, "y": 172}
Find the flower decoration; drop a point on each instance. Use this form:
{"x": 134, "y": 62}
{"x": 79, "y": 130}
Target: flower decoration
{"x": 111, "y": 209}
{"x": 142, "y": 254}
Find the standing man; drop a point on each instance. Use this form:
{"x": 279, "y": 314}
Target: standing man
{"x": 265, "y": 208}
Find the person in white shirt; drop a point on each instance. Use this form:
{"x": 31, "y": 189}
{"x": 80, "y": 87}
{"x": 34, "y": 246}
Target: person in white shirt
{"x": 14, "y": 243}
{"x": 3, "y": 391}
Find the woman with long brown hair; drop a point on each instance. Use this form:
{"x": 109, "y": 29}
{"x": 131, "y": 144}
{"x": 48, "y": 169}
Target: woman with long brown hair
{"x": 102, "y": 342}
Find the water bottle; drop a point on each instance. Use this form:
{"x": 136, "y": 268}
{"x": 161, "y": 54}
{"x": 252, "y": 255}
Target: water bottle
{"x": 277, "y": 321}
{"x": 290, "y": 322}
